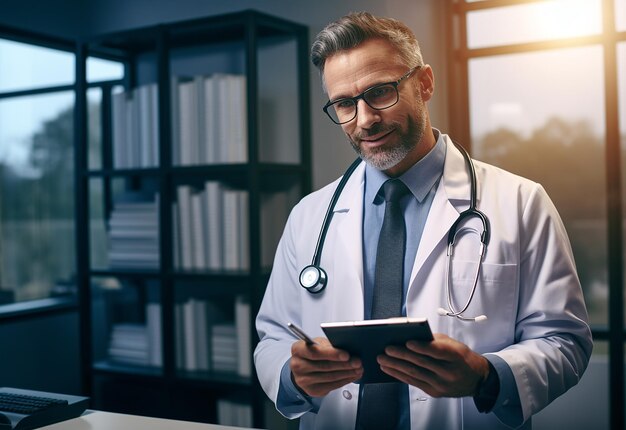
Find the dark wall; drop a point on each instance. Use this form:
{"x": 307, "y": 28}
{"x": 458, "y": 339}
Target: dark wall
{"x": 62, "y": 18}
{"x": 41, "y": 353}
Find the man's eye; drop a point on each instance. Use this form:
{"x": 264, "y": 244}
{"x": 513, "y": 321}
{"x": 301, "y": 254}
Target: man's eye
{"x": 344, "y": 104}
{"x": 380, "y": 92}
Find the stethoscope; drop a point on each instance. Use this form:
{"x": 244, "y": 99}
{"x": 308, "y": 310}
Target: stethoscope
{"x": 314, "y": 279}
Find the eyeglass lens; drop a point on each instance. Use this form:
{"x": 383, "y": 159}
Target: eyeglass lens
{"x": 379, "y": 97}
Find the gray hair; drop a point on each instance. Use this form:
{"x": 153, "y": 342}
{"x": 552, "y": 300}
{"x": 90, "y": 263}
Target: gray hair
{"x": 355, "y": 28}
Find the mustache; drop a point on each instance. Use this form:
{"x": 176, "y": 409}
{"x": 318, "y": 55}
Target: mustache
{"x": 374, "y": 130}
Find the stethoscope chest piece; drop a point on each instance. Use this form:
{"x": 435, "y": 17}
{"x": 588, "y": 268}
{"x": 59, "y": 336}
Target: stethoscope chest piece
{"x": 313, "y": 278}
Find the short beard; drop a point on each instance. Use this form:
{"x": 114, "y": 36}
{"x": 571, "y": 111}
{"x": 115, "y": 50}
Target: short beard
{"x": 386, "y": 158}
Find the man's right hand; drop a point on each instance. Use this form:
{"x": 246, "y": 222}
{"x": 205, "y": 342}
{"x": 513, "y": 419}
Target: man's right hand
{"x": 318, "y": 369}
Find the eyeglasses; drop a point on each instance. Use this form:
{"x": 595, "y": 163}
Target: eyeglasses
{"x": 379, "y": 97}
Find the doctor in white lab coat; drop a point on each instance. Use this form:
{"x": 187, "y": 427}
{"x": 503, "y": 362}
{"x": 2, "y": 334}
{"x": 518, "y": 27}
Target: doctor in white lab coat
{"x": 536, "y": 334}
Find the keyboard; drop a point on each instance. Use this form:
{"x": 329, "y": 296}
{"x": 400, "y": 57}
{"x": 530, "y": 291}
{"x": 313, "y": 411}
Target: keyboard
{"x": 28, "y": 409}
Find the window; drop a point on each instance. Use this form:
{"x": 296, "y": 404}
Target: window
{"x": 26, "y": 67}
{"x": 37, "y": 254}
{"x": 37, "y": 237}
{"x": 538, "y": 87}
{"x": 620, "y": 15}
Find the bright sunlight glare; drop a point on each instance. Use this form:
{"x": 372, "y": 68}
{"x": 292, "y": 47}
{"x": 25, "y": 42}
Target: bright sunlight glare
{"x": 568, "y": 18}
{"x": 532, "y": 22}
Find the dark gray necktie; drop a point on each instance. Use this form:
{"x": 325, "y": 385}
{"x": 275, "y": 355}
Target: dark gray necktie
{"x": 379, "y": 403}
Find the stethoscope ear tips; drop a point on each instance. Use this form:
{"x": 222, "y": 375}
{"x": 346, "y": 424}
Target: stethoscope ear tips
{"x": 313, "y": 278}
{"x": 442, "y": 312}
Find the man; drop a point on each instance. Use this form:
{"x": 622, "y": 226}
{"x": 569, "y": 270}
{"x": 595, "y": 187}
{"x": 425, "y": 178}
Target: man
{"x": 485, "y": 374}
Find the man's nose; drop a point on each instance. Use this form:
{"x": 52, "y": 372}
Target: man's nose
{"x": 366, "y": 116}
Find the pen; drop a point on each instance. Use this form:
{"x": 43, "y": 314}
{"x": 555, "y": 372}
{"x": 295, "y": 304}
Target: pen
{"x": 301, "y": 334}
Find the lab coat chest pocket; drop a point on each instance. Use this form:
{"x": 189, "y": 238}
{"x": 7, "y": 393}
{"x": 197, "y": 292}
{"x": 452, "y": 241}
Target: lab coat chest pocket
{"x": 495, "y": 297}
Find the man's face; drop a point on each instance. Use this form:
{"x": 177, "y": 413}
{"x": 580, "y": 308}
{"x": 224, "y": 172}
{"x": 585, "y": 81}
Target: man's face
{"x": 387, "y": 139}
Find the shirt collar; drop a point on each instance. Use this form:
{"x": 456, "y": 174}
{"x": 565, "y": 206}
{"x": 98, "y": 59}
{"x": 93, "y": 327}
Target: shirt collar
{"x": 420, "y": 178}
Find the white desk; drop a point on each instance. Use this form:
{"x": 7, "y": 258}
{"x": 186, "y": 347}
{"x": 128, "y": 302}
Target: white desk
{"x": 95, "y": 420}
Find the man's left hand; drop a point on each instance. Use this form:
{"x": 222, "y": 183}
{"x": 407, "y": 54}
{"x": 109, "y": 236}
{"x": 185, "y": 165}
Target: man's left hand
{"x": 443, "y": 367}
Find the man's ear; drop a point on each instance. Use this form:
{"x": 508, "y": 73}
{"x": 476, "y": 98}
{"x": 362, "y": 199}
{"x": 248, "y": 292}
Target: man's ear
{"x": 427, "y": 82}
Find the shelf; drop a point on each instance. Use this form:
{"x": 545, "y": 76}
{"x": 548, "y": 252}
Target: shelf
{"x": 201, "y": 169}
{"x": 112, "y": 367}
{"x": 125, "y": 273}
{"x": 225, "y": 28}
{"x": 206, "y": 213}
{"x": 111, "y": 173}
{"x": 201, "y": 275}
{"x": 199, "y": 378}
{"x": 273, "y": 177}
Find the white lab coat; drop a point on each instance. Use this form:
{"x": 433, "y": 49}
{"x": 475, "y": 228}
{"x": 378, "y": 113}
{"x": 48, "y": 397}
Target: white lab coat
{"x": 528, "y": 289}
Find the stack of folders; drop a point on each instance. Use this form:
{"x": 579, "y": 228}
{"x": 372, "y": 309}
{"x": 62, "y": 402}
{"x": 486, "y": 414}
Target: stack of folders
{"x": 224, "y": 351}
{"x": 208, "y": 339}
{"x": 129, "y": 344}
{"x": 134, "y": 232}
{"x": 138, "y": 344}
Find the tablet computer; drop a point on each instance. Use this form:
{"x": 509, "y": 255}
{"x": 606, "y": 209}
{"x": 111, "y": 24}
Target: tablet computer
{"x": 368, "y": 339}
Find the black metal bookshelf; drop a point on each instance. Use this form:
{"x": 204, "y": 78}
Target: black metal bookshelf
{"x": 155, "y": 55}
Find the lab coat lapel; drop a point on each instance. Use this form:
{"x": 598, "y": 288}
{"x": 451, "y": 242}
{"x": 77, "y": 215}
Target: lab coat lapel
{"x": 347, "y": 248}
{"x": 451, "y": 198}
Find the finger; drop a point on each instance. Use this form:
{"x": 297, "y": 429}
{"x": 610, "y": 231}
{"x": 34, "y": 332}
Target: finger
{"x": 320, "y": 351}
{"x": 322, "y": 389}
{"x": 422, "y": 378}
{"x": 424, "y": 361}
{"x": 442, "y": 348}
{"x": 324, "y": 378}
{"x": 303, "y": 365}
{"x": 423, "y": 385}
{"x": 320, "y": 383}
{"x": 409, "y": 369}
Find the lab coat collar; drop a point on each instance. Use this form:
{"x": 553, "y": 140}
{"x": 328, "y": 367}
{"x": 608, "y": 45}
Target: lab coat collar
{"x": 456, "y": 178}
{"x": 451, "y": 198}
{"x": 352, "y": 195}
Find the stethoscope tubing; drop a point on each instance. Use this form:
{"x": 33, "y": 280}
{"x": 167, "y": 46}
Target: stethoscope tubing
{"x": 317, "y": 255}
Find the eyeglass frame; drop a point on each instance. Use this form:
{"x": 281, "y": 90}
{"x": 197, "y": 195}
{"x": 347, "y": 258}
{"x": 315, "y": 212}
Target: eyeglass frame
{"x": 358, "y": 97}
